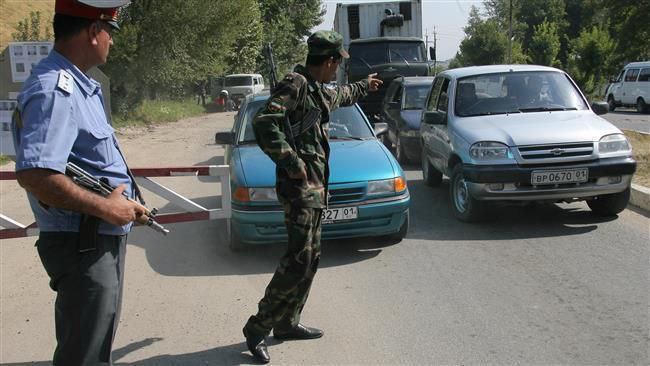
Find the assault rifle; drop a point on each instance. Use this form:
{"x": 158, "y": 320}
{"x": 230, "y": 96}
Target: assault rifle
{"x": 101, "y": 186}
{"x": 273, "y": 78}
{"x": 286, "y": 124}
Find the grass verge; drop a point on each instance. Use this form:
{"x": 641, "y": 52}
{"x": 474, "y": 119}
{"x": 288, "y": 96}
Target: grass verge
{"x": 155, "y": 111}
{"x": 641, "y": 152}
{"x": 4, "y": 160}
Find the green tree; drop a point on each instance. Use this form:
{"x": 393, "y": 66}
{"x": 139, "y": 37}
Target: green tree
{"x": 590, "y": 58}
{"x": 629, "y": 25}
{"x": 545, "y": 44}
{"x": 29, "y": 29}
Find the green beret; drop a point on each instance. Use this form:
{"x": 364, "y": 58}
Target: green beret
{"x": 326, "y": 43}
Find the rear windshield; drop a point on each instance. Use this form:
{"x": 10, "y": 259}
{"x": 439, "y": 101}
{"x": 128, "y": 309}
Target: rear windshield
{"x": 239, "y": 80}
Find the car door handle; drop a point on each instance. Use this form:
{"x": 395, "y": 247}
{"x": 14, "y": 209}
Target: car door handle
{"x": 390, "y": 69}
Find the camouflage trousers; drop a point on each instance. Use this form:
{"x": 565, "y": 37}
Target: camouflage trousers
{"x": 286, "y": 294}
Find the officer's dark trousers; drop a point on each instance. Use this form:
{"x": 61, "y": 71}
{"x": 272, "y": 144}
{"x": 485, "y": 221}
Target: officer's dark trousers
{"x": 286, "y": 294}
{"x": 89, "y": 295}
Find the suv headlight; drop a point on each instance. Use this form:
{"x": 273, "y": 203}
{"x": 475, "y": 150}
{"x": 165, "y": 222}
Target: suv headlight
{"x": 487, "y": 150}
{"x": 614, "y": 143}
{"x": 386, "y": 186}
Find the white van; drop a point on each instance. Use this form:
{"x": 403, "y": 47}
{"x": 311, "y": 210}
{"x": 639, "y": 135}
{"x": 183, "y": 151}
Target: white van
{"x": 239, "y": 86}
{"x": 631, "y": 88}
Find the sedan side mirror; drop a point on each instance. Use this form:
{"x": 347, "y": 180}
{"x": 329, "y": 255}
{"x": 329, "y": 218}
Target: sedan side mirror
{"x": 224, "y": 138}
{"x": 600, "y": 107}
{"x": 435, "y": 118}
{"x": 380, "y": 128}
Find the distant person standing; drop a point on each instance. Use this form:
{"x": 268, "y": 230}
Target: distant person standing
{"x": 60, "y": 118}
{"x": 201, "y": 91}
{"x": 302, "y": 171}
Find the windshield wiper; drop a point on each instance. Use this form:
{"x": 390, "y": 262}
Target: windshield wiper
{"x": 547, "y": 109}
{"x": 488, "y": 113}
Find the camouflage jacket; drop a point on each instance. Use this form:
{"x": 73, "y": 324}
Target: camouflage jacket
{"x": 294, "y": 97}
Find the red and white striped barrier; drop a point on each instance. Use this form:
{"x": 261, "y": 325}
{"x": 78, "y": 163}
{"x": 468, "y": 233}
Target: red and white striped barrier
{"x": 192, "y": 210}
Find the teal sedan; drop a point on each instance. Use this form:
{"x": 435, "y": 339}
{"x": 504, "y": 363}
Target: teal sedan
{"x": 368, "y": 195}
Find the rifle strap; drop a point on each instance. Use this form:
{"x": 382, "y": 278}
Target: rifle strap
{"x": 136, "y": 188}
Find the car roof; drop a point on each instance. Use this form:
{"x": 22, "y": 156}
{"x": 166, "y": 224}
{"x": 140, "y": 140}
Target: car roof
{"x": 385, "y": 39}
{"x": 638, "y": 64}
{"x": 242, "y": 75}
{"x": 494, "y": 69}
{"x": 417, "y": 80}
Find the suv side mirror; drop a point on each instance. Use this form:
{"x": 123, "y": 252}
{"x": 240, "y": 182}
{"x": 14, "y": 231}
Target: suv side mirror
{"x": 224, "y": 138}
{"x": 434, "y": 117}
{"x": 600, "y": 107}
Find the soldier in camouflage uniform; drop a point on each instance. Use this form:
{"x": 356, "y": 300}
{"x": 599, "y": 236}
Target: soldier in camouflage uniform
{"x": 292, "y": 130}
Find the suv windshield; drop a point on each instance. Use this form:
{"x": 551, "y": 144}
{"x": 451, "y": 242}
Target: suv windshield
{"x": 516, "y": 92}
{"x": 239, "y": 80}
{"x": 345, "y": 123}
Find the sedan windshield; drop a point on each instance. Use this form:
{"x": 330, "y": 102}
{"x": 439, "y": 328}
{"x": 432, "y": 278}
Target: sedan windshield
{"x": 346, "y": 123}
{"x": 516, "y": 92}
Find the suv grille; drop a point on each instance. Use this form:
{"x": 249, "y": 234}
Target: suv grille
{"x": 557, "y": 152}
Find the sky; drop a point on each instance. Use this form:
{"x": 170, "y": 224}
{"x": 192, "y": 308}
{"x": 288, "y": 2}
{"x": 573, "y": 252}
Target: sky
{"x": 448, "y": 16}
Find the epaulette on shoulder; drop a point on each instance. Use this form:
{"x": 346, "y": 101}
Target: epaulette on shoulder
{"x": 65, "y": 82}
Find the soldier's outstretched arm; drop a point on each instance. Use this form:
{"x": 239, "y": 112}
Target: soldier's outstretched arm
{"x": 267, "y": 125}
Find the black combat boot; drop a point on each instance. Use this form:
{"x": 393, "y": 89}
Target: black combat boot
{"x": 297, "y": 332}
{"x": 257, "y": 345}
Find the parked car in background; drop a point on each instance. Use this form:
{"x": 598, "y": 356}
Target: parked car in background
{"x": 631, "y": 88}
{"x": 402, "y": 111}
{"x": 368, "y": 195}
{"x": 521, "y": 133}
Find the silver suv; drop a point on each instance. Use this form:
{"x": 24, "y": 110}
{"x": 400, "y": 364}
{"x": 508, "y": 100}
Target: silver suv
{"x": 521, "y": 133}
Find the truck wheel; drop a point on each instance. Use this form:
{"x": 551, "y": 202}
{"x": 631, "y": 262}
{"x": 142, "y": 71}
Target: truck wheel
{"x": 234, "y": 241}
{"x": 611, "y": 103}
{"x": 463, "y": 205}
{"x": 641, "y": 107}
{"x": 430, "y": 175}
{"x": 609, "y": 204}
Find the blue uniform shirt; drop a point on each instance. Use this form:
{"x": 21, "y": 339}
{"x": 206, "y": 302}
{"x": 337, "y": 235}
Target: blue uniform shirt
{"x": 61, "y": 118}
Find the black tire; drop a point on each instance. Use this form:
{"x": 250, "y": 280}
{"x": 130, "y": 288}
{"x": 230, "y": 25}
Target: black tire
{"x": 234, "y": 241}
{"x": 430, "y": 175}
{"x": 641, "y": 107}
{"x": 609, "y": 204}
{"x": 403, "y": 230}
{"x": 611, "y": 103}
{"x": 463, "y": 205}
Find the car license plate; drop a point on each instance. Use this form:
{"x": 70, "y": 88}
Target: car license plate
{"x": 543, "y": 177}
{"x": 339, "y": 214}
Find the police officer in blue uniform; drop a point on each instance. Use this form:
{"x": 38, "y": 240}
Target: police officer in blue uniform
{"x": 60, "y": 118}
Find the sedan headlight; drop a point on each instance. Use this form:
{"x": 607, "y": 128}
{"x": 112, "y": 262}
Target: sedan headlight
{"x": 262, "y": 194}
{"x": 487, "y": 150}
{"x": 614, "y": 143}
{"x": 386, "y": 186}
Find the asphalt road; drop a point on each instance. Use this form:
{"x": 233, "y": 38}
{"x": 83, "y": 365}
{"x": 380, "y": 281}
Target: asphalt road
{"x": 629, "y": 119}
{"x": 540, "y": 284}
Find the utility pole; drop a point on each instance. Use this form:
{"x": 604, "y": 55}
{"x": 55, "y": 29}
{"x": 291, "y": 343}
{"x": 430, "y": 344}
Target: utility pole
{"x": 426, "y": 42}
{"x": 510, "y": 33}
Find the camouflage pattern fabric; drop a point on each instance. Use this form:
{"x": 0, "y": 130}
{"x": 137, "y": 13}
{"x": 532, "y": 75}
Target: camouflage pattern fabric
{"x": 295, "y": 96}
{"x": 286, "y": 294}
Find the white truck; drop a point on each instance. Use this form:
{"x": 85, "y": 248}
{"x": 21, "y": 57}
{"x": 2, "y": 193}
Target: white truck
{"x": 383, "y": 38}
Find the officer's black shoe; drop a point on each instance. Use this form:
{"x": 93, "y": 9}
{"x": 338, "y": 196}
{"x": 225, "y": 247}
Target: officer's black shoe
{"x": 257, "y": 345}
{"x": 297, "y": 332}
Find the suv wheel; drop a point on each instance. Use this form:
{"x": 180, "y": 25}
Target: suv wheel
{"x": 641, "y": 107}
{"x": 609, "y": 204}
{"x": 611, "y": 103}
{"x": 431, "y": 176}
{"x": 464, "y": 206}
